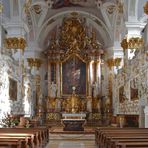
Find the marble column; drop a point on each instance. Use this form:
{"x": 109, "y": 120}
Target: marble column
{"x": 58, "y": 78}
{"x": 90, "y": 77}
{"x": 146, "y": 116}
{"x": 49, "y": 77}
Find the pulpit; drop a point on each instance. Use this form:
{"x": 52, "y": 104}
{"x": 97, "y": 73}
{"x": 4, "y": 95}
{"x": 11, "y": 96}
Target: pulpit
{"x": 73, "y": 121}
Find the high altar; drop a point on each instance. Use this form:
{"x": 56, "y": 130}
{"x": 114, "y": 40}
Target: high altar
{"x": 73, "y": 71}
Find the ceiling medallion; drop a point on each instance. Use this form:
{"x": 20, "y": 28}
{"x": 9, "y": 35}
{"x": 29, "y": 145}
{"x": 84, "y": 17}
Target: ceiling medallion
{"x": 37, "y": 9}
{"x": 110, "y": 9}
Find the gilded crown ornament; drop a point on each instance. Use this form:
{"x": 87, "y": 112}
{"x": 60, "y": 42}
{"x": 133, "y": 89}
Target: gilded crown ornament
{"x": 73, "y": 38}
{"x": 73, "y": 34}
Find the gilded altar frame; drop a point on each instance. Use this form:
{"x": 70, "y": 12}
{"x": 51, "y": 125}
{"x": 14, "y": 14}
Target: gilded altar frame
{"x": 74, "y": 55}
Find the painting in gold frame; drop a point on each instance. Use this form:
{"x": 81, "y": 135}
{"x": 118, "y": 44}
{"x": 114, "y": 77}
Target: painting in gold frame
{"x": 74, "y": 74}
{"x": 121, "y": 94}
{"x": 133, "y": 90}
{"x": 12, "y": 89}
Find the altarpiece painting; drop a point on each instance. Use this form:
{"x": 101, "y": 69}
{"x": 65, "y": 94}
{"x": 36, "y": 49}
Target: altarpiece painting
{"x": 12, "y": 89}
{"x": 74, "y": 75}
{"x": 134, "y": 89}
{"x": 121, "y": 94}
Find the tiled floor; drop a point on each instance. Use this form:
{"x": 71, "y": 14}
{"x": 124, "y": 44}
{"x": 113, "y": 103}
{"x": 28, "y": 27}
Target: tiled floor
{"x": 71, "y": 144}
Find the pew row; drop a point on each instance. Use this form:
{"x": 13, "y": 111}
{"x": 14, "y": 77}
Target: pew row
{"x": 25, "y": 137}
{"x": 121, "y": 137}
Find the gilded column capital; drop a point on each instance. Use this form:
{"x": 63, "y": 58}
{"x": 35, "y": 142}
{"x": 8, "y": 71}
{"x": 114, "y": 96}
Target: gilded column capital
{"x": 146, "y": 8}
{"x": 110, "y": 63}
{"x": 1, "y": 7}
{"x": 30, "y": 62}
{"x": 135, "y": 43}
{"x": 15, "y": 43}
{"x": 117, "y": 62}
{"x": 132, "y": 43}
{"x": 37, "y": 63}
{"x": 113, "y": 62}
{"x": 124, "y": 44}
{"x": 34, "y": 62}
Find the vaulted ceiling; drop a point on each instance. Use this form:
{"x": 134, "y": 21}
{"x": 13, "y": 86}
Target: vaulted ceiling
{"x": 42, "y": 17}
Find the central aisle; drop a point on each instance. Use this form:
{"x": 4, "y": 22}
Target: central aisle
{"x": 71, "y": 144}
{"x": 71, "y": 139}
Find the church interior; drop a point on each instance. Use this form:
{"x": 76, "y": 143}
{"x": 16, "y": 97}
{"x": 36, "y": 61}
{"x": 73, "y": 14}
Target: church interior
{"x": 73, "y": 73}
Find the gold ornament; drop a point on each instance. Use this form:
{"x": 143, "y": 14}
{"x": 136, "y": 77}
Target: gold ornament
{"x": 1, "y": 7}
{"x": 124, "y": 44}
{"x": 146, "y": 8}
{"x": 110, "y": 63}
{"x": 132, "y": 43}
{"x": 135, "y": 43}
{"x": 15, "y": 43}
{"x": 117, "y": 62}
{"x": 34, "y": 62}
{"x": 72, "y": 34}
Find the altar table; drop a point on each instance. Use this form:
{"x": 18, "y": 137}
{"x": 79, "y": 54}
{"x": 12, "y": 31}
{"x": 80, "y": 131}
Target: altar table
{"x": 73, "y": 121}
{"x": 73, "y": 124}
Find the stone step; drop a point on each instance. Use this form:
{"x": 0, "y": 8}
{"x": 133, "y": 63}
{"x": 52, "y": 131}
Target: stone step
{"x": 71, "y": 136}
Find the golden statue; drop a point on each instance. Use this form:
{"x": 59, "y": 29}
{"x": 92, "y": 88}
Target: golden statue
{"x": 73, "y": 103}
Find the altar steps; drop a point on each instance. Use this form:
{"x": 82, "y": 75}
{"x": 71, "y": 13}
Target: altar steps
{"x": 58, "y": 134}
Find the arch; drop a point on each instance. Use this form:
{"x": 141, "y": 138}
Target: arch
{"x": 54, "y": 20}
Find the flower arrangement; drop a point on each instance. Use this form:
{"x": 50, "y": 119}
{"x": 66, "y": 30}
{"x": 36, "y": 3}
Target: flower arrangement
{"x": 9, "y": 121}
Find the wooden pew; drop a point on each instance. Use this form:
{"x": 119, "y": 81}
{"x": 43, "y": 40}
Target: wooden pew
{"x": 32, "y": 136}
{"x": 132, "y": 144}
{"x": 37, "y": 137}
{"x": 109, "y": 137}
{"x": 6, "y": 142}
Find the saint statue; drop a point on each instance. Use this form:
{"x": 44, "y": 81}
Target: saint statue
{"x": 95, "y": 90}
{"x": 58, "y": 104}
{"x": 53, "y": 90}
{"x": 89, "y": 104}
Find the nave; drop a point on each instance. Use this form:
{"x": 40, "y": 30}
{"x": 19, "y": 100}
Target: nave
{"x": 73, "y": 73}
{"x": 71, "y": 144}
